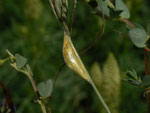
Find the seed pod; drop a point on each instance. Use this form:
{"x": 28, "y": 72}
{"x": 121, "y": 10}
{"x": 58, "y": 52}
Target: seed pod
{"x": 60, "y": 8}
{"x": 72, "y": 58}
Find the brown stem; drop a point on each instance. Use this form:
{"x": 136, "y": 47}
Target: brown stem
{"x": 120, "y": 33}
{"x": 128, "y": 22}
{"x": 147, "y": 72}
{"x": 9, "y": 104}
{"x": 73, "y": 13}
{"x": 66, "y": 28}
{"x": 101, "y": 34}
{"x": 146, "y": 56}
{"x": 33, "y": 83}
{"x": 43, "y": 107}
{"x": 48, "y": 104}
{"x": 54, "y": 82}
{"x": 148, "y": 49}
{"x": 60, "y": 69}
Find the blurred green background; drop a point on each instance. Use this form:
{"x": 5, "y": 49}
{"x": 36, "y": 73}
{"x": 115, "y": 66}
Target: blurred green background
{"x": 28, "y": 27}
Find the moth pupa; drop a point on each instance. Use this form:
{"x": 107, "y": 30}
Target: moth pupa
{"x": 72, "y": 59}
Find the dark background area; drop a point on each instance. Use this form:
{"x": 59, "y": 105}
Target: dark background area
{"x": 29, "y": 27}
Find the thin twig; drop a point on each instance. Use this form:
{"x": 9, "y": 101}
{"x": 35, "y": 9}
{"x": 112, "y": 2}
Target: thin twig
{"x": 66, "y": 28}
{"x": 54, "y": 82}
{"x": 146, "y": 56}
{"x": 48, "y": 104}
{"x": 43, "y": 107}
{"x": 98, "y": 94}
{"x": 120, "y": 33}
{"x": 132, "y": 82}
{"x": 148, "y": 49}
{"x": 147, "y": 72}
{"x": 128, "y": 22}
{"x": 73, "y": 13}
{"x": 32, "y": 82}
{"x": 101, "y": 34}
{"x": 60, "y": 69}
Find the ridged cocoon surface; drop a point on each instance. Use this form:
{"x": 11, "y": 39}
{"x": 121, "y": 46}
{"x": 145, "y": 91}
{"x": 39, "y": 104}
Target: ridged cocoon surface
{"x": 72, "y": 58}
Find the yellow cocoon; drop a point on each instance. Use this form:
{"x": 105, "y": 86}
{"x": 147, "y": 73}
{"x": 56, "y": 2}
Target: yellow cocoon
{"x": 72, "y": 58}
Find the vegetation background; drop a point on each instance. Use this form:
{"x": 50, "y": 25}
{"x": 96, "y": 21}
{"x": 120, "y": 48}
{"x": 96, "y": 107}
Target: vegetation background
{"x": 29, "y": 27}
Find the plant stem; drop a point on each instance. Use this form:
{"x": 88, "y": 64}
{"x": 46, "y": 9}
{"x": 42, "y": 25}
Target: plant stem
{"x": 32, "y": 82}
{"x": 98, "y": 94}
{"x": 147, "y": 72}
{"x": 42, "y": 105}
{"x": 73, "y": 13}
{"x": 146, "y": 59}
{"x": 146, "y": 56}
{"x": 128, "y": 22}
{"x": 102, "y": 32}
{"x": 66, "y": 28}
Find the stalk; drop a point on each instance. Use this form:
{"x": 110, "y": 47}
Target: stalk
{"x": 98, "y": 94}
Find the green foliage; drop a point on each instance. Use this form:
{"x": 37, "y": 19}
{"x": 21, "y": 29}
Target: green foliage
{"x": 133, "y": 78}
{"x": 108, "y": 82}
{"x": 45, "y": 88}
{"x": 110, "y": 4}
{"x": 3, "y": 111}
{"x": 120, "y": 9}
{"x": 20, "y": 61}
{"x": 120, "y": 6}
{"x": 102, "y": 4}
{"x": 138, "y": 37}
{"x": 2, "y": 61}
{"x": 132, "y": 74}
{"x": 40, "y": 40}
{"x": 29, "y": 69}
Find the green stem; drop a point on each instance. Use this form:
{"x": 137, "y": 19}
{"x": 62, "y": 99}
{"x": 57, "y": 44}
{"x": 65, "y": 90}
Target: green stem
{"x": 42, "y": 107}
{"x": 99, "y": 95}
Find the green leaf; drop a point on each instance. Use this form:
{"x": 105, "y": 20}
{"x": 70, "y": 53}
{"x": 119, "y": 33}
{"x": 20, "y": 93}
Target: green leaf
{"x": 2, "y": 61}
{"x": 45, "y": 88}
{"x": 132, "y": 74}
{"x": 29, "y": 69}
{"x": 102, "y": 5}
{"x": 109, "y": 3}
{"x": 138, "y": 37}
{"x": 120, "y": 6}
{"x": 133, "y": 82}
{"x": 146, "y": 81}
{"x": 20, "y": 60}
{"x": 10, "y": 54}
